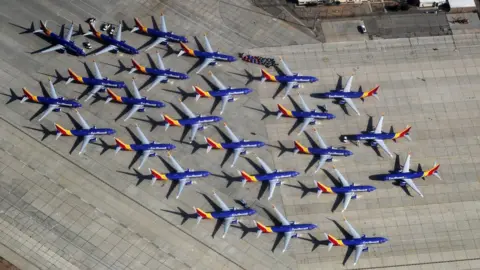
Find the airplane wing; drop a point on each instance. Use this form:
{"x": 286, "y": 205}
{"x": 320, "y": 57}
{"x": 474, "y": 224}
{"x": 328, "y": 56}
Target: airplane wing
{"x": 208, "y": 47}
{"x": 51, "y": 49}
{"x": 264, "y": 165}
{"x": 217, "y": 82}
{"x": 53, "y": 93}
{"x": 352, "y": 230}
{"x": 195, "y": 128}
{"x": 358, "y": 253}
{"x": 160, "y": 61}
{"x": 145, "y": 155}
{"x": 413, "y": 186}
{"x": 204, "y": 64}
{"x": 136, "y": 93}
{"x": 280, "y": 216}
{"x": 86, "y": 140}
{"x": 83, "y": 123}
{"x": 288, "y": 236}
{"x": 226, "y": 225}
{"x": 305, "y": 123}
{"x": 94, "y": 90}
{"x": 177, "y": 166}
{"x": 384, "y": 147}
{"x": 288, "y": 88}
{"x": 98, "y": 75}
{"x": 236, "y": 154}
{"x": 304, "y": 104}
{"x": 271, "y": 187}
{"x": 132, "y": 111}
{"x": 48, "y": 111}
{"x": 320, "y": 140}
{"x": 157, "y": 80}
{"x": 285, "y": 68}
{"x": 106, "y": 49}
{"x": 142, "y": 137}
{"x": 164, "y": 25}
{"x": 156, "y": 42}
{"x": 342, "y": 179}
{"x": 322, "y": 161}
{"x": 350, "y": 103}
{"x": 187, "y": 111}
{"x": 224, "y": 103}
{"x": 70, "y": 33}
{"x": 348, "y": 86}
{"x": 119, "y": 32}
{"x": 346, "y": 199}
{"x": 181, "y": 185}
{"x": 222, "y": 205}
{"x": 378, "y": 128}
{"x": 231, "y": 134}
{"x": 406, "y": 165}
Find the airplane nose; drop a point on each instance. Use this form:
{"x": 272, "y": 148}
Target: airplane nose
{"x": 349, "y": 153}
{"x": 111, "y": 131}
{"x": 218, "y": 118}
{"x": 331, "y": 116}
{"x": 261, "y": 144}
{"x": 313, "y": 226}
{"x": 171, "y": 147}
{"x": 252, "y": 212}
{"x": 314, "y": 80}
{"x": 384, "y": 240}
{"x": 296, "y": 173}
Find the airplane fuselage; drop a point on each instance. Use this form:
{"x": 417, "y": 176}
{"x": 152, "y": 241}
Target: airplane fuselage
{"x": 92, "y": 131}
{"x": 295, "y": 78}
{"x": 329, "y": 151}
{"x": 214, "y": 55}
{"x": 187, "y": 174}
{"x": 364, "y": 241}
{"x": 242, "y": 144}
{"x": 276, "y": 175}
{"x": 341, "y": 94}
{"x": 371, "y": 136}
{"x": 168, "y": 35}
{"x": 231, "y": 91}
{"x": 232, "y": 213}
{"x": 401, "y": 175}
{"x": 312, "y": 114}
{"x": 341, "y": 190}
{"x": 69, "y": 45}
{"x": 293, "y": 227}
{"x": 103, "y": 82}
{"x": 143, "y": 102}
{"x": 59, "y": 101}
{"x": 199, "y": 120}
{"x": 152, "y": 146}
{"x": 166, "y": 72}
{"x": 122, "y": 45}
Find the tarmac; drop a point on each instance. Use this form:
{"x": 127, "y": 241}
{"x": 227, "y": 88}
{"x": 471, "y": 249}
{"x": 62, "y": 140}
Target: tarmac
{"x": 59, "y": 210}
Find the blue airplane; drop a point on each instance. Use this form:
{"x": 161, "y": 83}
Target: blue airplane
{"x": 60, "y": 42}
{"x": 324, "y": 153}
{"x": 224, "y": 93}
{"x": 355, "y": 240}
{"x": 345, "y": 95}
{"x": 182, "y": 176}
{"x": 209, "y": 56}
{"x": 308, "y": 116}
{"x": 227, "y": 214}
{"x": 146, "y": 147}
{"x": 405, "y": 176}
{"x": 53, "y": 102}
{"x": 114, "y": 44}
{"x": 161, "y": 74}
{"x": 196, "y": 122}
{"x": 161, "y": 35}
{"x": 348, "y": 191}
{"x": 88, "y": 133}
{"x": 288, "y": 228}
{"x": 98, "y": 82}
{"x": 274, "y": 177}
{"x": 377, "y": 136}
{"x": 289, "y": 78}
{"x": 236, "y": 145}
{"x": 137, "y": 102}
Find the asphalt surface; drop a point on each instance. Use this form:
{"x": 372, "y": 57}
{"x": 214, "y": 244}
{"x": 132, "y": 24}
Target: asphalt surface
{"x": 60, "y": 210}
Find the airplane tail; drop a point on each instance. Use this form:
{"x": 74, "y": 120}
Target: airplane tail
{"x": 300, "y": 148}
{"x": 331, "y": 241}
{"x": 212, "y": 144}
{"x": 433, "y": 171}
{"x": 170, "y": 121}
{"x": 267, "y": 76}
{"x": 138, "y": 26}
{"x": 247, "y": 177}
{"x": 113, "y": 96}
{"x": 403, "y": 133}
{"x": 136, "y": 66}
{"x": 262, "y": 228}
{"x": 73, "y": 77}
{"x": 201, "y": 214}
{"x": 283, "y": 111}
{"x": 185, "y": 49}
{"x": 322, "y": 188}
{"x": 62, "y": 131}
{"x": 121, "y": 145}
{"x": 43, "y": 28}
{"x": 27, "y": 95}
{"x": 200, "y": 93}
{"x": 371, "y": 92}
{"x": 157, "y": 176}
{"x": 92, "y": 30}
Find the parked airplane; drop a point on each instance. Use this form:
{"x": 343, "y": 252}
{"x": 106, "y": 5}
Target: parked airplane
{"x": 355, "y": 240}
{"x": 323, "y": 153}
{"x": 236, "y": 145}
{"x": 181, "y": 175}
{"x": 209, "y": 56}
{"x": 345, "y": 96}
{"x": 53, "y": 102}
{"x": 348, "y": 191}
{"x": 146, "y": 147}
{"x": 114, "y": 44}
{"x": 88, "y": 133}
{"x": 405, "y": 176}
{"x": 161, "y": 74}
{"x": 137, "y": 102}
{"x": 274, "y": 177}
{"x": 288, "y": 228}
{"x": 99, "y": 82}
{"x": 161, "y": 35}
{"x": 195, "y": 121}
{"x": 60, "y": 42}
{"x": 309, "y": 117}
{"x": 224, "y": 93}
{"x": 227, "y": 214}
{"x": 292, "y": 80}
{"x": 377, "y": 137}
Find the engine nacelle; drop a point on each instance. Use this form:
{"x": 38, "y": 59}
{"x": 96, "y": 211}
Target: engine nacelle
{"x": 293, "y": 222}
{"x": 373, "y": 143}
{"x": 296, "y": 85}
{"x": 93, "y": 139}
{"x": 402, "y": 183}
{"x": 102, "y": 90}
{"x": 201, "y": 128}
{"x": 141, "y": 110}
{"x": 312, "y": 123}
{"x": 153, "y": 154}
{"x": 354, "y": 197}
{"x": 212, "y": 64}
{"x": 365, "y": 249}
{"x": 57, "y": 109}
{"x": 231, "y": 99}
{"x": 244, "y": 152}
{"x": 164, "y": 81}
{"x": 278, "y": 184}
{"x": 188, "y": 183}
{"x": 329, "y": 159}
{"x": 342, "y": 102}
{"x": 295, "y": 235}
{"x": 235, "y": 221}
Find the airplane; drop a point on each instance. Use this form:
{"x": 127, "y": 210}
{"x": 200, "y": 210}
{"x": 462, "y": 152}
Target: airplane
{"x": 146, "y": 147}
{"x": 355, "y": 240}
{"x": 377, "y": 137}
{"x": 224, "y": 93}
{"x": 88, "y": 133}
{"x": 137, "y": 102}
{"x": 292, "y": 80}
{"x": 53, "y": 102}
{"x": 181, "y": 175}
{"x": 99, "y": 82}
{"x": 405, "y": 176}
{"x": 272, "y": 176}
{"x": 161, "y": 35}
{"x": 195, "y": 121}
{"x": 288, "y": 228}
{"x": 209, "y": 56}
{"x": 348, "y": 191}
{"x": 308, "y": 116}
{"x": 345, "y": 96}
{"x": 61, "y": 43}
{"x": 114, "y": 44}
{"x": 161, "y": 74}
{"x": 324, "y": 153}
{"x": 236, "y": 145}
{"x": 227, "y": 214}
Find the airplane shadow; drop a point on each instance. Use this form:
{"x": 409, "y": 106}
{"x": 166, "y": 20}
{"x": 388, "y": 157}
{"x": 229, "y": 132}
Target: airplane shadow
{"x": 250, "y": 77}
{"x": 266, "y": 112}
{"x": 305, "y": 190}
{"x": 316, "y": 243}
{"x": 184, "y": 94}
{"x": 230, "y": 179}
{"x": 105, "y": 146}
{"x": 185, "y": 216}
{"x": 154, "y": 123}
{"x": 12, "y": 97}
{"x": 140, "y": 176}
{"x": 46, "y": 132}
{"x": 281, "y": 147}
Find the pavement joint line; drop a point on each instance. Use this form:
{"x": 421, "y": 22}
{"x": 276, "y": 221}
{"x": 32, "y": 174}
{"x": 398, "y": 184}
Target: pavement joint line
{"x": 425, "y": 263}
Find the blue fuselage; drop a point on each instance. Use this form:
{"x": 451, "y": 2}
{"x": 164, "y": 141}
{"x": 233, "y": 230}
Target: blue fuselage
{"x": 341, "y": 94}
{"x": 59, "y": 101}
{"x": 152, "y": 146}
{"x": 313, "y": 114}
{"x": 214, "y": 55}
{"x": 142, "y": 101}
{"x": 103, "y": 82}
{"x": 293, "y": 227}
{"x": 364, "y": 241}
{"x": 233, "y": 213}
{"x": 329, "y": 151}
{"x": 400, "y": 176}
{"x": 243, "y": 144}
{"x": 92, "y": 131}
{"x": 371, "y": 136}
{"x": 231, "y": 91}
{"x": 122, "y": 45}
{"x": 187, "y": 174}
{"x": 342, "y": 190}
{"x": 167, "y": 72}
{"x": 199, "y": 120}
{"x": 295, "y": 78}
{"x": 69, "y": 45}
{"x": 276, "y": 175}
